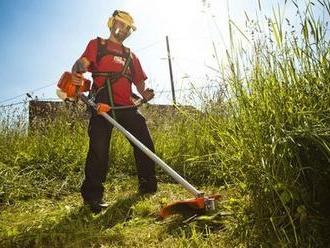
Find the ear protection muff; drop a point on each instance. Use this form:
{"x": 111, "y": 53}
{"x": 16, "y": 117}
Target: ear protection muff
{"x": 123, "y": 16}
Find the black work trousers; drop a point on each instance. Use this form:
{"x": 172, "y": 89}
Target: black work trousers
{"x": 97, "y": 162}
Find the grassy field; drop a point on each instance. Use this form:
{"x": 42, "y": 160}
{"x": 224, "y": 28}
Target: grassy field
{"x": 263, "y": 142}
{"x": 130, "y": 221}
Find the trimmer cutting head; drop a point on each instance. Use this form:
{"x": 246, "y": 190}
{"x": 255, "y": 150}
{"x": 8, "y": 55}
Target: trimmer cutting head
{"x": 197, "y": 206}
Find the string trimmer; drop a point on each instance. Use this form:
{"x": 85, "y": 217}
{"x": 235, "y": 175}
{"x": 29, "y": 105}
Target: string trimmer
{"x": 197, "y": 206}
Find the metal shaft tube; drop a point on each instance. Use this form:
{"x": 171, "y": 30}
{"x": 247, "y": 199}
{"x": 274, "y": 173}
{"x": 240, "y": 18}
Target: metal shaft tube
{"x": 147, "y": 151}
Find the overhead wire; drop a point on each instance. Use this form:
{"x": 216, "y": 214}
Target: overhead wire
{"x": 49, "y": 85}
{"x": 12, "y": 104}
{"x": 149, "y": 46}
{"x": 24, "y": 94}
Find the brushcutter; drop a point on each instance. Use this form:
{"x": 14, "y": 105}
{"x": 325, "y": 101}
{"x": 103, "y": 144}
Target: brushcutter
{"x": 196, "y": 206}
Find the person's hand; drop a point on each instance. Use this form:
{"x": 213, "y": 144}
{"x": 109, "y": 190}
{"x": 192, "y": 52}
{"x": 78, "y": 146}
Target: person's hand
{"x": 148, "y": 94}
{"x": 102, "y": 108}
{"x": 77, "y": 78}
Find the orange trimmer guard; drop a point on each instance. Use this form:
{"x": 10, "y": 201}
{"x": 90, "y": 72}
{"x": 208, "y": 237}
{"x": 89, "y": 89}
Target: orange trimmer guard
{"x": 197, "y": 206}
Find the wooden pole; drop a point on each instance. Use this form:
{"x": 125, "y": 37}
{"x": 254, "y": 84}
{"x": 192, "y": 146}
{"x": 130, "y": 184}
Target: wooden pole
{"x": 170, "y": 68}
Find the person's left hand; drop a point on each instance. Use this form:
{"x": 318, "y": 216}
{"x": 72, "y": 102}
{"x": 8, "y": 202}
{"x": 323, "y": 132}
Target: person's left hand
{"x": 148, "y": 94}
{"x": 102, "y": 108}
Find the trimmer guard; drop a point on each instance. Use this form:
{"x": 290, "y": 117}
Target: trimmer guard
{"x": 196, "y": 206}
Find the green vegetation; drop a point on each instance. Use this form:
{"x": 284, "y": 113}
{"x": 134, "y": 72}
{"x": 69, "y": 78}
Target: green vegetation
{"x": 263, "y": 143}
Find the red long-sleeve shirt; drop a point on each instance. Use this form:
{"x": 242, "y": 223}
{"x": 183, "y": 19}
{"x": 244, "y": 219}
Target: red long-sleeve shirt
{"x": 122, "y": 88}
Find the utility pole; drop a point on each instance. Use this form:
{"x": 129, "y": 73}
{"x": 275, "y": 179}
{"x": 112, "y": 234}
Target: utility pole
{"x": 170, "y": 67}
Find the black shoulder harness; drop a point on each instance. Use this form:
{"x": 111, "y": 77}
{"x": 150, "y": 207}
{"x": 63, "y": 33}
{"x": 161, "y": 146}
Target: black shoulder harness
{"x": 103, "y": 51}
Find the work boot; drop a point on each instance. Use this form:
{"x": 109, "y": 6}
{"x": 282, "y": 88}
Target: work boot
{"x": 152, "y": 189}
{"x": 96, "y": 206}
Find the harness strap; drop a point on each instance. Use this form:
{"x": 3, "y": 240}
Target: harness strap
{"x": 112, "y": 77}
{"x": 128, "y": 63}
{"x": 127, "y": 55}
{"x": 103, "y": 51}
{"x": 108, "y": 84}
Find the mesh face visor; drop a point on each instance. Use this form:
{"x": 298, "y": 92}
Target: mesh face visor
{"x": 121, "y": 28}
{"x": 125, "y": 18}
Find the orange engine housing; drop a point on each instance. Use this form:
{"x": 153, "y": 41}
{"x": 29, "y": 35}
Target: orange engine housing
{"x": 66, "y": 85}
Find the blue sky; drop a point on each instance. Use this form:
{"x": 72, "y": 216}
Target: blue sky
{"x": 41, "y": 39}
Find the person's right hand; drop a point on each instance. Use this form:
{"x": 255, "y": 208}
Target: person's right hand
{"x": 77, "y": 78}
{"x": 148, "y": 94}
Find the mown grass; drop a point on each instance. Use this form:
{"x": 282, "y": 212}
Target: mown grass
{"x": 263, "y": 143}
{"x": 130, "y": 221}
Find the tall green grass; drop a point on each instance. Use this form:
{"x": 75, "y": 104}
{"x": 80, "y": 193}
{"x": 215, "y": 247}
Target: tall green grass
{"x": 273, "y": 138}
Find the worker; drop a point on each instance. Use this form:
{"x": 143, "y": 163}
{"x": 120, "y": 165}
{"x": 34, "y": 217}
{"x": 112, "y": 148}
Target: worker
{"x": 114, "y": 69}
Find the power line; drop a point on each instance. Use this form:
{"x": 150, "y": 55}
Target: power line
{"x": 148, "y": 46}
{"x": 46, "y": 86}
{"x": 22, "y": 102}
{"x": 188, "y": 89}
{"x": 45, "y": 99}
{"x": 37, "y": 89}
{"x": 12, "y": 104}
{"x": 12, "y": 98}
